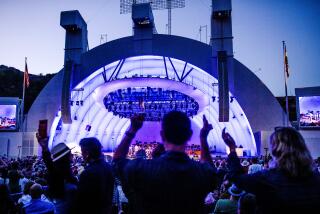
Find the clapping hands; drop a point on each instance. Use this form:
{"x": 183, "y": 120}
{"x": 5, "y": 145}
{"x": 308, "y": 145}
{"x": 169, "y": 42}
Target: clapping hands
{"x": 229, "y": 141}
{"x": 43, "y": 142}
{"x": 207, "y": 127}
{"x": 136, "y": 122}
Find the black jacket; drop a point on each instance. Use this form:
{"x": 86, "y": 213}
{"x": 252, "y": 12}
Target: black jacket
{"x": 276, "y": 192}
{"x": 95, "y": 188}
{"x": 172, "y": 183}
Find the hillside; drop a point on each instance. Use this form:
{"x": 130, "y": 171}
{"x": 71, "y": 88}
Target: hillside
{"x": 11, "y": 80}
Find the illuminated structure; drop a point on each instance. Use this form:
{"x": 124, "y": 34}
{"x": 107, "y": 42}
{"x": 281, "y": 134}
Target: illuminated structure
{"x": 165, "y": 72}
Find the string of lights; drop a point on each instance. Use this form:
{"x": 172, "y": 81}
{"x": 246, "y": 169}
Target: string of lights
{"x": 152, "y": 102}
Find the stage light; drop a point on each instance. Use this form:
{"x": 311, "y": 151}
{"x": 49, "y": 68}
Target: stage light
{"x": 231, "y": 99}
{"x": 88, "y": 128}
{"x": 213, "y": 98}
{"x": 71, "y": 103}
{"x": 148, "y": 99}
{"x": 77, "y": 103}
{"x": 75, "y": 117}
{"x": 81, "y": 102}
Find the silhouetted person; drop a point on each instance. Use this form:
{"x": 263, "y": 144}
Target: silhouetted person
{"x": 7, "y": 205}
{"x": 229, "y": 206}
{"x": 247, "y": 204}
{"x": 291, "y": 186}
{"x": 158, "y": 151}
{"x": 96, "y": 182}
{"x": 62, "y": 185}
{"x": 14, "y": 176}
{"x": 171, "y": 183}
{"x": 254, "y": 167}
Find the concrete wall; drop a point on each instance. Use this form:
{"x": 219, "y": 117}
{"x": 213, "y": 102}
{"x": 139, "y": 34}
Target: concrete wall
{"x": 260, "y": 106}
{"x": 46, "y": 105}
{"x": 312, "y": 139}
{"x": 11, "y": 141}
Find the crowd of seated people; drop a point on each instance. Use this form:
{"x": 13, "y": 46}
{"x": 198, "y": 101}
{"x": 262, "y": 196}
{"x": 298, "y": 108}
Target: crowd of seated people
{"x": 18, "y": 176}
{"x": 32, "y": 170}
{"x": 168, "y": 177}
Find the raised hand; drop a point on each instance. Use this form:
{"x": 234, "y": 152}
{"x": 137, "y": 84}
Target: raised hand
{"x": 206, "y": 128}
{"x": 123, "y": 148}
{"x": 229, "y": 141}
{"x": 136, "y": 122}
{"x": 43, "y": 142}
{"x": 205, "y": 153}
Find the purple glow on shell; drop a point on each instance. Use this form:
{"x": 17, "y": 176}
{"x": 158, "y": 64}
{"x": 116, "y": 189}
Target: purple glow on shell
{"x": 109, "y": 129}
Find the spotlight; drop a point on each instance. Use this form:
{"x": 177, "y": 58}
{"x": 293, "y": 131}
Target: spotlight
{"x": 231, "y": 99}
{"x": 88, "y": 128}
{"x": 81, "y": 102}
{"x": 77, "y": 103}
{"x": 213, "y": 98}
{"x": 75, "y": 117}
{"x": 71, "y": 103}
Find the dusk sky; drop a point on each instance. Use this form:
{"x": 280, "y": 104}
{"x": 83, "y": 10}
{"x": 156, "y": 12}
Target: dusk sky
{"x": 30, "y": 28}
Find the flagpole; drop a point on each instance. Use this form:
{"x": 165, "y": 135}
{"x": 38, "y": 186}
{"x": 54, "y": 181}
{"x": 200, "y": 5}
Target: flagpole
{"x": 23, "y": 96}
{"x": 285, "y": 81}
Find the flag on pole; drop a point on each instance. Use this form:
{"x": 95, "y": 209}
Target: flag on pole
{"x": 26, "y": 75}
{"x": 286, "y": 63}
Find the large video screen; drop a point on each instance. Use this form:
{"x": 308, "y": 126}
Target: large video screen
{"x": 309, "y": 111}
{"x": 8, "y": 117}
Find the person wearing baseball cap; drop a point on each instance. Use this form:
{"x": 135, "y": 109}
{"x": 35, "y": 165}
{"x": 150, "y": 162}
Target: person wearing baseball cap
{"x": 230, "y": 205}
